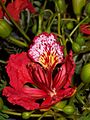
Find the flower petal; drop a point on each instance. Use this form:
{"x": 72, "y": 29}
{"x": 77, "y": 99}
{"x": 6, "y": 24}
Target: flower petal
{"x": 66, "y": 93}
{"x": 1, "y": 13}
{"x": 17, "y": 6}
{"x": 17, "y": 70}
{"x": 40, "y": 77}
{"x": 65, "y": 73}
{"x": 85, "y": 28}
{"x": 46, "y": 50}
{"x": 19, "y": 98}
{"x": 34, "y": 93}
{"x": 70, "y": 68}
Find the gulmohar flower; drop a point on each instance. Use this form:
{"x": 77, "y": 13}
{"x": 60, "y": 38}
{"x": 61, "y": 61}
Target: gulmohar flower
{"x": 85, "y": 28}
{"x": 14, "y": 8}
{"x": 41, "y": 77}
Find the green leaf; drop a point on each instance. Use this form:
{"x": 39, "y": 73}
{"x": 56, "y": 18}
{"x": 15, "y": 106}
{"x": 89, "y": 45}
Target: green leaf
{"x": 3, "y": 116}
{"x": 85, "y": 116}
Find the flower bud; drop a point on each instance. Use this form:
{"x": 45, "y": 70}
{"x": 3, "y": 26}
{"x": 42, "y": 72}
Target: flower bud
{"x": 61, "y": 6}
{"x": 78, "y": 6}
{"x": 69, "y": 109}
{"x": 5, "y": 29}
{"x": 60, "y": 105}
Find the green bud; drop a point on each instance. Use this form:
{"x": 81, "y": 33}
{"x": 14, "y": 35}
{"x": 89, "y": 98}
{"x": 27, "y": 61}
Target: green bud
{"x": 87, "y": 8}
{"x": 76, "y": 47}
{"x": 60, "y": 105}
{"x": 69, "y": 110}
{"x": 26, "y": 115}
{"x": 5, "y": 29}
{"x": 60, "y": 6}
{"x": 80, "y": 39}
{"x": 78, "y": 6}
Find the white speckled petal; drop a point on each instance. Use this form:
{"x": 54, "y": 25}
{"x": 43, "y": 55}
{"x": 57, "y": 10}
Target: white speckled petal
{"x": 46, "y": 50}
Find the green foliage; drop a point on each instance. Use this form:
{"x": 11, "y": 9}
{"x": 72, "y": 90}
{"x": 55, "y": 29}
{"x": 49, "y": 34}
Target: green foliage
{"x": 3, "y": 116}
{"x": 63, "y": 18}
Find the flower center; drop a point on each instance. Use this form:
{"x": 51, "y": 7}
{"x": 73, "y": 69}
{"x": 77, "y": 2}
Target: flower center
{"x": 48, "y": 60}
{"x": 53, "y": 92}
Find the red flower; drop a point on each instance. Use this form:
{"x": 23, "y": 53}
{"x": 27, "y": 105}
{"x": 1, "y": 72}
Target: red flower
{"x": 85, "y": 28}
{"x": 1, "y": 11}
{"x": 17, "y": 6}
{"x": 31, "y": 82}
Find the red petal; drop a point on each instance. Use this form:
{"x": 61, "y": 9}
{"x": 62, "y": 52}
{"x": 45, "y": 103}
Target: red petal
{"x": 47, "y": 103}
{"x": 15, "y": 13}
{"x": 64, "y": 76}
{"x": 18, "y": 98}
{"x": 17, "y": 6}
{"x": 61, "y": 78}
{"x": 31, "y": 8}
{"x": 66, "y": 93}
{"x": 34, "y": 93}
{"x": 85, "y": 28}
{"x": 70, "y": 68}
{"x": 17, "y": 70}
{"x": 40, "y": 77}
{"x": 1, "y": 13}
{"x": 23, "y": 4}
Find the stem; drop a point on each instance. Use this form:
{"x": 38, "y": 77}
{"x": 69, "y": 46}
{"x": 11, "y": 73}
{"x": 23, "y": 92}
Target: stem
{"x": 21, "y": 31}
{"x": 40, "y": 24}
{"x": 17, "y": 42}
{"x": 28, "y": 20}
{"x": 44, "y": 4}
{"x": 11, "y": 112}
{"x": 59, "y": 18}
{"x": 80, "y": 86}
{"x": 19, "y": 114}
{"x": 69, "y": 19}
{"x": 78, "y": 26}
{"x": 50, "y": 23}
{"x": 2, "y": 61}
{"x": 86, "y": 108}
{"x": 60, "y": 36}
{"x": 68, "y": 38}
{"x": 48, "y": 10}
{"x": 45, "y": 114}
{"x": 80, "y": 99}
{"x": 39, "y": 115}
{"x": 64, "y": 42}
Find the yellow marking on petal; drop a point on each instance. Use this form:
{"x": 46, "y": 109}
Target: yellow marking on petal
{"x": 48, "y": 60}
